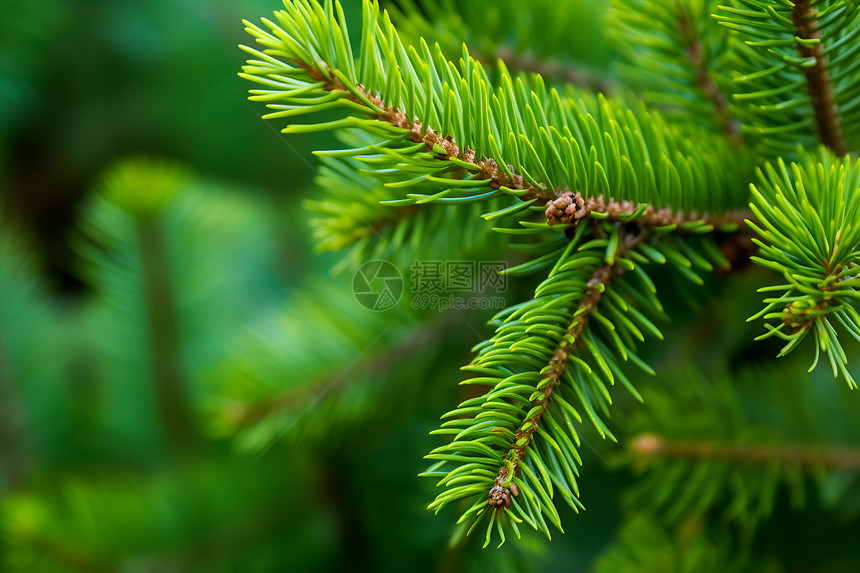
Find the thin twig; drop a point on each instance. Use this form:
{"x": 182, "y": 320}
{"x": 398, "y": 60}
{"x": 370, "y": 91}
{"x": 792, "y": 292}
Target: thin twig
{"x": 818, "y": 83}
{"x": 652, "y": 446}
{"x": 704, "y": 80}
{"x": 499, "y": 495}
{"x": 554, "y": 68}
{"x": 445, "y": 148}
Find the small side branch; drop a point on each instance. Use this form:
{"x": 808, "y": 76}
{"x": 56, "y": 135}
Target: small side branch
{"x": 649, "y": 446}
{"x": 704, "y": 80}
{"x": 333, "y": 381}
{"x": 551, "y": 68}
{"x": 500, "y": 492}
{"x": 818, "y": 83}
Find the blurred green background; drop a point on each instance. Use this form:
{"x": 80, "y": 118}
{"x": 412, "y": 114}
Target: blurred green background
{"x": 87, "y": 83}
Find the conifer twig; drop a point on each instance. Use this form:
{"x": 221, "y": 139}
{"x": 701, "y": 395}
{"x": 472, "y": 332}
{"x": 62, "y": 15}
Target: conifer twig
{"x": 558, "y": 202}
{"x": 652, "y": 446}
{"x": 704, "y": 80}
{"x": 818, "y": 82}
{"x": 499, "y": 495}
{"x": 244, "y": 415}
{"x": 570, "y": 207}
{"x": 444, "y": 146}
{"x": 553, "y": 68}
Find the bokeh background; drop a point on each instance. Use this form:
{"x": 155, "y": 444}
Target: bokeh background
{"x": 130, "y": 344}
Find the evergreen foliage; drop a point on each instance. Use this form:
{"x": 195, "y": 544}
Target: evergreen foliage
{"x": 677, "y": 58}
{"x": 281, "y": 383}
{"x": 644, "y": 546}
{"x": 810, "y": 225}
{"x": 505, "y": 30}
{"x": 730, "y": 456}
{"x": 647, "y": 172}
{"x": 148, "y": 243}
{"x": 91, "y": 526}
{"x": 355, "y": 218}
{"x": 795, "y": 64}
{"x": 601, "y": 191}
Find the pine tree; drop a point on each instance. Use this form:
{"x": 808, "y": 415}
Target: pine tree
{"x": 727, "y": 139}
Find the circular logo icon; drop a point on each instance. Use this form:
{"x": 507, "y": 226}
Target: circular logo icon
{"x": 377, "y": 285}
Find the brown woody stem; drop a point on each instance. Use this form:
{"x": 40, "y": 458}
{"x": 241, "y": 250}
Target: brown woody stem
{"x": 818, "y": 84}
{"x": 551, "y": 68}
{"x": 704, "y": 81}
{"x": 653, "y": 446}
{"x": 488, "y": 169}
{"x": 500, "y": 494}
{"x": 569, "y": 208}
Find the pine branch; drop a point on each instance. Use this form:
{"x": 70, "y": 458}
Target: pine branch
{"x": 373, "y": 365}
{"x": 728, "y": 453}
{"x": 704, "y": 81}
{"x": 818, "y": 82}
{"x": 648, "y": 446}
{"x": 284, "y": 383}
{"x": 809, "y": 223}
{"x": 351, "y": 218}
{"x": 446, "y": 127}
{"x": 444, "y": 147}
{"x": 795, "y": 72}
{"x": 644, "y": 545}
{"x": 550, "y": 358}
{"x": 179, "y": 267}
{"x": 500, "y": 492}
{"x": 446, "y": 134}
{"x": 142, "y": 190}
{"x": 503, "y": 31}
